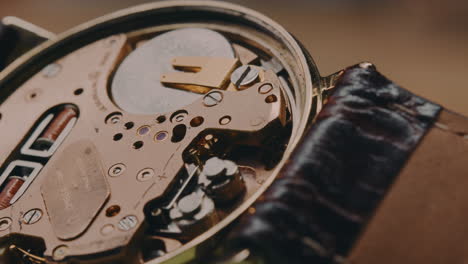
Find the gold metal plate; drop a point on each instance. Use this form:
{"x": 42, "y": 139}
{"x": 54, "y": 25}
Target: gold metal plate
{"x": 203, "y": 73}
{"x": 80, "y": 189}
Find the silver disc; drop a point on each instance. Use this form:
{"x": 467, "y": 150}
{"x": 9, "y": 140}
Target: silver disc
{"x": 137, "y": 87}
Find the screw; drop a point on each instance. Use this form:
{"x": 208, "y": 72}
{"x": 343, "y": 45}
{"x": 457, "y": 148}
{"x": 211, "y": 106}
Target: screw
{"x": 212, "y": 98}
{"x": 244, "y": 75}
{"x": 60, "y": 253}
{"x": 128, "y": 222}
{"x": 51, "y": 70}
{"x": 32, "y": 216}
{"x": 5, "y": 223}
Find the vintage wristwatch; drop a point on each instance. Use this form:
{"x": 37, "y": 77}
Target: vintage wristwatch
{"x": 202, "y": 132}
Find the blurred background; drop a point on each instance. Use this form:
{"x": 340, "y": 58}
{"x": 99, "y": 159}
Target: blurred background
{"x": 420, "y": 44}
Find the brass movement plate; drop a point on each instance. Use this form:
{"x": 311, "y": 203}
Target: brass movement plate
{"x": 94, "y": 190}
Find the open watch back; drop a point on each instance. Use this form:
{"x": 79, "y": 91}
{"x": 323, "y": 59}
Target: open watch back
{"x": 142, "y": 136}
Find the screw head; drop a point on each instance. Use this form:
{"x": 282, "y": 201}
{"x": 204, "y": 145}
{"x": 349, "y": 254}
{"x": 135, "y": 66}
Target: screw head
{"x": 32, "y": 216}
{"x": 128, "y": 222}
{"x": 244, "y": 75}
{"x": 212, "y": 98}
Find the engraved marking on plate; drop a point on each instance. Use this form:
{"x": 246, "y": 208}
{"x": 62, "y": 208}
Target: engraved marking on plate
{"x": 74, "y": 189}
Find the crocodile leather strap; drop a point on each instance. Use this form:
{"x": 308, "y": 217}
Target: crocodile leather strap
{"x": 327, "y": 195}
{"x": 423, "y": 217}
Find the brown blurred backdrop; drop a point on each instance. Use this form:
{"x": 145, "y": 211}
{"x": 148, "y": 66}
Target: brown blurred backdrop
{"x": 421, "y": 44}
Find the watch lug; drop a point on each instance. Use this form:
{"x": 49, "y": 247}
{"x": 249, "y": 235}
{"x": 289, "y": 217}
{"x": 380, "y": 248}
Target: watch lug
{"x": 18, "y": 37}
{"x": 28, "y": 29}
{"x": 327, "y": 83}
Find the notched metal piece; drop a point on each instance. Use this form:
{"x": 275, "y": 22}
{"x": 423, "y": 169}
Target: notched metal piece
{"x": 201, "y": 73}
{"x": 328, "y": 83}
{"x": 245, "y": 56}
{"x": 74, "y": 189}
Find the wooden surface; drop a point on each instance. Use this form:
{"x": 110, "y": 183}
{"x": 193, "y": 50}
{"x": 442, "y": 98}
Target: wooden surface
{"x": 422, "y": 45}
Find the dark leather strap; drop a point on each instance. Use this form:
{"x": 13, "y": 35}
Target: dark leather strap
{"x": 15, "y": 41}
{"x": 8, "y": 38}
{"x": 423, "y": 217}
{"x": 347, "y": 161}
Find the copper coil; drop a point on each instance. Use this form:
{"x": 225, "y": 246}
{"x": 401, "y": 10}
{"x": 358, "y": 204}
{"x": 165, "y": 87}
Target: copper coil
{"x": 56, "y": 127}
{"x": 12, "y": 187}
